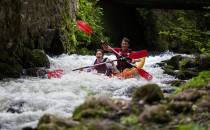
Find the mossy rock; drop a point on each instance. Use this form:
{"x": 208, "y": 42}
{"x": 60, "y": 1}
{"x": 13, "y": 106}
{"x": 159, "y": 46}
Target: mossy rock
{"x": 101, "y": 107}
{"x": 40, "y": 59}
{"x": 174, "y": 61}
{"x": 187, "y": 63}
{"x": 188, "y": 95}
{"x": 168, "y": 69}
{"x": 97, "y": 124}
{"x": 187, "y": 74}
{"x": 180, "y": 106}
{"x": 7, "y": 70}
{"x": 203, "y": 105}
{"x": 157, "y": 114}
{"x": 203, "y": 61}
{"x": 49, "y": 122}
{"x": 148, "y": 93}
{"x": 177, "y": 83}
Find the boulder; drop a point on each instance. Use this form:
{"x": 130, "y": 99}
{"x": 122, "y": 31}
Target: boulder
{"x": 157, "y": 114}
{"x": 101, "y": 107}
{"x": 188, "y": 95}
{"x": 180, "y": 106}
{"x": 50, "y": 122}
{"x": 149, "y": 93}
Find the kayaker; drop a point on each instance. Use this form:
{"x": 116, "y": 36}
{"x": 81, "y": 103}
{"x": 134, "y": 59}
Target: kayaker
{"x": 108, "y": 68}
{"x": 123, "y": 51}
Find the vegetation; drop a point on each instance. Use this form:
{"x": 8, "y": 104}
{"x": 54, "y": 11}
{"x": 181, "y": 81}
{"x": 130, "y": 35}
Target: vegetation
{"x": 77, "y": 41}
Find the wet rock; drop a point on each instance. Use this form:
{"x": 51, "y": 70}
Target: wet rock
{"x": 16, "y": 107}
{"x": 204, "y": 104}
{"x": 188, "y": 95}
{"x": 158, "y": 114}
{"x": 174, "y": 61}
{"x": 10, "y": 70}
{"x": 29, "y": 128}
{"x": 149, "y": 93}
{"x": 35, "y": 72}
{"x": 50, "y": 122}
{"x": 100, "y": 125}
{"x": 204, "y": 61}
{"x": 187, "y": 73}
{"x": 40, "y": 59}
{"x": 101, "y": 107}
{"x": 177, "y": 82}
{"x": 180, "y": 106}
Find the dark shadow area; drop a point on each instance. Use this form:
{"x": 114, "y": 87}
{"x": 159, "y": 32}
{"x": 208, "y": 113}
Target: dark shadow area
{"x": 122, "y": 21}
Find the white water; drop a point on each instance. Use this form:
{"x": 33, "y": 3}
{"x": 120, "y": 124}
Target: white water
{"x": 61, "y": 96}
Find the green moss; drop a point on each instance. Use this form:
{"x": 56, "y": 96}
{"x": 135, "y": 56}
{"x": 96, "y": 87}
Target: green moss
{"x": 96, "y": 108}
{"x": 39, "y": 58}
{"x": 148, "y": 93}
{"x": 197, "y": 82}
{"x": 190, "y": 127}
{"x": 129, "y": 120}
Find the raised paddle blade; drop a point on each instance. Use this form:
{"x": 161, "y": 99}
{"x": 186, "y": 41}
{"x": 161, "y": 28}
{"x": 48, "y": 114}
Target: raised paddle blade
{"x": 83, "y": 26}
{"x": 139, "y": 54}
{"x": 144, "y": 74}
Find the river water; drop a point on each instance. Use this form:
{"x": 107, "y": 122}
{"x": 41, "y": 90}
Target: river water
{"x": 30, "y": 98}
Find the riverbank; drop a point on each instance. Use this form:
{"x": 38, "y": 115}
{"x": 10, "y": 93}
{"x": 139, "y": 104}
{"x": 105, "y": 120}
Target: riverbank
{"x": 188, "y": 108}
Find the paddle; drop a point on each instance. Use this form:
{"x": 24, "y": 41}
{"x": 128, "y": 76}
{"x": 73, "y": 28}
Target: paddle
{"x": 141, "y": 72}
{"x": 90, "y": 66}
{"x": 86, "y": 28}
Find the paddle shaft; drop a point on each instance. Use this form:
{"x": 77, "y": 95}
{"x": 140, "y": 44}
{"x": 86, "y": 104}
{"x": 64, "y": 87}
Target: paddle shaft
{"x": 95, "y": 65}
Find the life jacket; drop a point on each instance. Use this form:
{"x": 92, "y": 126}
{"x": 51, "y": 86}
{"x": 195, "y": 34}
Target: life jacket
{"x": 101, "y": 68}
{"x": 121, "y": 65}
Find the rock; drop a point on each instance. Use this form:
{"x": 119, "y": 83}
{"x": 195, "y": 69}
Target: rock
{"x": 40, "y": 59}
{"x": 8, "y": 70}
{"x": 180, "y": 106}
{"x": 203, "y": 61}
{"x": 187, "y": 73}
{"x": 149, "y": 93}
{"x": 100, "y": 125}
{"x": 168, "y": 69}
{"x": 177, "y": 82}
{"x": 157, "y": 114}
{"x": 35, "y": 72}
{"x": 29, "y": 128}
{"x": 16, "y": 107}
{"x": 101, "y": 107}
{"x": 50, "y": 122}
{"x": 174, "y": 61}
{"x": 203, "y": 105}
{"x": 188, "y": 95}
{"x": 187, "y": 62}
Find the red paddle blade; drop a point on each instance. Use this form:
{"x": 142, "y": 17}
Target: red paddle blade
{"x": 83, "y": 26}
{"x": 145, "y": 74}
{"x": 139, "y": 54}
{"x": 55, "y": 73}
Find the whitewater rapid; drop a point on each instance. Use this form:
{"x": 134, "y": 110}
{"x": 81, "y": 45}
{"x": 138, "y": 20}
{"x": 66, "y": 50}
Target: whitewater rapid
{"x": 33, "y": 97}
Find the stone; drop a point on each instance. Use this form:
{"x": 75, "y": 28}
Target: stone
{"x": 188, "y": 95}
{"x": 149, "y": 93}
{"x": 180, "y": 106}
{"x": 157, "y": 114}
{"x": 51, "y": 122}
{"x": 101, "y": 107}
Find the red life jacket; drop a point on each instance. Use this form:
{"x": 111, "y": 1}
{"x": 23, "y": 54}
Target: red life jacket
{"x": 121, "y": 65}
{"x": 101, "y": 68}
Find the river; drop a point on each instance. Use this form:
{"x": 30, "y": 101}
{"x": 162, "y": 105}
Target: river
{"x": 32, "y": 97}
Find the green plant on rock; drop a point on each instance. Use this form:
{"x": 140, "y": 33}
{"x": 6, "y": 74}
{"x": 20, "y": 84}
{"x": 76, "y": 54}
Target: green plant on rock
{"x": 201, "y": 80}
{"x": 190, "y": 127}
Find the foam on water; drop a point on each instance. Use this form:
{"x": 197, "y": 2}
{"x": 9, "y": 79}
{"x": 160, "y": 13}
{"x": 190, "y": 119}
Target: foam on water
{"x": 34, "y": 97}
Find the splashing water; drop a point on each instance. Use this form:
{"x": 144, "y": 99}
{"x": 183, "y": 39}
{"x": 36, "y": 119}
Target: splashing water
{"x": 30, "y": 98}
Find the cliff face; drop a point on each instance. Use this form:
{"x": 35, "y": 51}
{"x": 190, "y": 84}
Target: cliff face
{"x": 26, "y": 25}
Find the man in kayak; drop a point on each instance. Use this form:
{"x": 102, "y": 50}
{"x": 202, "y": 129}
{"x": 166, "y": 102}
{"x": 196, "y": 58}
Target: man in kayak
{"x": 124, "y": 51}
{"x": 108, "y": 68}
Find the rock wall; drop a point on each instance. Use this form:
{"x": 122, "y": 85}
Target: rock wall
{"x": 26, "y": 25}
